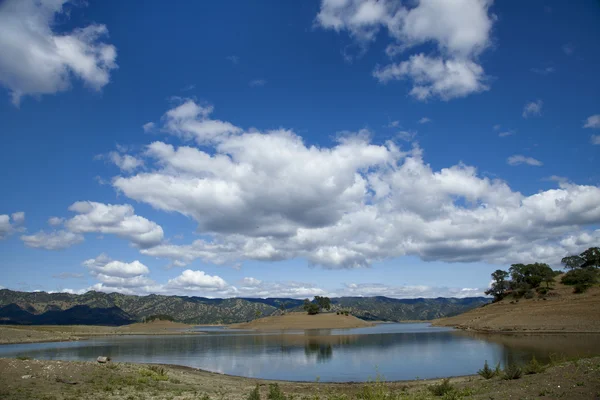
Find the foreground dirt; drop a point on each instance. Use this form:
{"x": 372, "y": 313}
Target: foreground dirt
{"x": 55, "y": 333}
{"x": 559, "y": 311}
{"x": 293, "y": 321}
{"x": 57, "y": 380}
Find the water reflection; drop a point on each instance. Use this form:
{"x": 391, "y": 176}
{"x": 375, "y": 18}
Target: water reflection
{"x": 397, "y": 351}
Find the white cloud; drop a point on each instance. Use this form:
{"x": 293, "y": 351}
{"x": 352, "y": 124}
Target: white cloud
{"x": 393, "y": 124}
{"x": 434, "y": 76}
{"x": 407, "y": 135}
{"x": 249, "y": 281}
{"x": 595, "y": 139}
{"x": 543, "y": 71}
{"x": 56, "y": 240}
{"x": 8, "y": 227}
{"x": 459, "y": 29}
{"x": 518, "y": 159}
{"x": 497, "y": 127}
{"x": 103, "y": 265}
{"x": 593, "y": 121}
{"x": 407, "y": 292}
{"x": 257, "y": 82}
{"x": 506, "y": 133}
{"x": 191, "y": 121}
{"x": 233, "y": 59}
{"x": 148, "y": 127}
{"x": 36, "y": 60}
{"x": 269, "y": 196}
{"x": 119, "y": 220}
{"x": 424, "y": 120}
{"x": 196, "y": 280}
{"x": 533, "y": 108}
{"x": 55, "y": 221}
{"x": 125, "y": 162}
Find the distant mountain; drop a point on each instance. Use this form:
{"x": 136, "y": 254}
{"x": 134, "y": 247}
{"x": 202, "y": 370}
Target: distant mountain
{"x": 77, "y": 315}
{"x": 117, "y": 309}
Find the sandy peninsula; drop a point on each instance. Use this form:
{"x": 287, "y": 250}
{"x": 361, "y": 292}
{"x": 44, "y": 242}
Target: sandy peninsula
{"x": 300, "y": 321}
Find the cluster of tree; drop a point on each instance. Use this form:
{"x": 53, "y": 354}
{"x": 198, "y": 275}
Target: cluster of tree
{"x": 159, "y": 317}
{"x": 317, "y": 305}
{"x": 525, "y": 278}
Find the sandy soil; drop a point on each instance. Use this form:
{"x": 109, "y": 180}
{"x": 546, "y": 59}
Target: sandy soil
{"x": 56, "y": 333}
{"x": 562, "y": 311}
{"x": 57, "y": 380}
{"x": 294, "y": 321}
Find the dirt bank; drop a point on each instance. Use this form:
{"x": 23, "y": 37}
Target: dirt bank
{"x": 58, "y": 380}
{"x": 57, "y": 333}
{"x": 298, "y": 321}
{"x": 560, "y": 311}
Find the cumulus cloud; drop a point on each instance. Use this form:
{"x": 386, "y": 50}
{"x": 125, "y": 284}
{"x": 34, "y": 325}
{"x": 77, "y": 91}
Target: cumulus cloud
{"x": 424, "y": 120}
{"x": 55, "y": 221}
{"x": 593, "y": 121}
{"x": 125, "y": 162}
{"x": 518, "y": 159}
{"x": 595, "y": 139}
{"x": 533, "y": 108}
{"x": 148, "y": 127}
{"x": 105, "y": 266}
{"x": 407, "y": 292}
{"x": 56, "y": 240}
{"x": 459, "y": 30}
{"x": 115, "y": 219}
{"x": 190, "y": 121}
{"x": 269, "y": 196}
{"x": 433, "y": 76}
{"x": 10, "y": 224}
{"x": 36, "y": 60}
{"x": 196, "y": 280}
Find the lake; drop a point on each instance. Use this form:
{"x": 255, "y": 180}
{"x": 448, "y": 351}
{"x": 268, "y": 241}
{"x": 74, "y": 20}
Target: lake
{"x": 391, "y": 351}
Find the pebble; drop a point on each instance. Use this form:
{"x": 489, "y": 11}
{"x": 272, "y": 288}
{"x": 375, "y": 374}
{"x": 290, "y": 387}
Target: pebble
{"x": 26, "y": 376}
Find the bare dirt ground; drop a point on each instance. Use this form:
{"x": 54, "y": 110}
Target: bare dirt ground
{"x": 560, "y": 311}
{"x": 58, "y": 380}
{"x": 56, "y": 333}
{"x": 293, "y": 321}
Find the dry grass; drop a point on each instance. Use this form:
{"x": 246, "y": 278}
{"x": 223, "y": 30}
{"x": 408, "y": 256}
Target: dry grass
{"x": 297, "y": 321}
{"x": 561, "y": 311}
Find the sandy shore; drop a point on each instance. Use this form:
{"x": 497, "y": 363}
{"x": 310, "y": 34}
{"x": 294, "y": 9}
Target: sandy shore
{"x": 57, "y": 333}
{"x": 562, "y": 311}
{"x": 300, "y": 321}
{"x": 58, "y": 380}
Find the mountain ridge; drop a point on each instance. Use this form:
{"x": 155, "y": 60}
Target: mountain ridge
{"x": 202, "y": 310}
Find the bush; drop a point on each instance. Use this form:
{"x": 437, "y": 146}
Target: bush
{"x": 158, "y": 370}
{"x": 254, "y": 394}
{"x": 512, "y": 371}
{"x": 581, "y": 278}
{"x": 312, "y": 309}
{"x": 529, "y": 294}
{"x": 533, "y": 367}
{"x": 543, "y": 290}
{"x": 275, "y": 392}
{"x": 486, "y": 371}
{"x": 441, "y": 389}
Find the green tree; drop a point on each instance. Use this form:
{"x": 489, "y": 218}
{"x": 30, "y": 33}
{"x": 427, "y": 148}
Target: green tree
{"x": 499, "y": 286}
{"x": 581, "y": 278}
{"x": 589, "y": 258}
{"x": 528, "y": 276}
{"x": 323, "y": 302}
{"x": 282, "y": 307}
{"x": 258, "y": 314}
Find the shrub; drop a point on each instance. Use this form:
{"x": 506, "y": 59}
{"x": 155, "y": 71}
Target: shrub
{"x": 512, "y": 371}
{"x": 254, "y": 394}
{"x": 442, "y": 389}
{"x": 158, "y": 370}
{"x": 529, "y": 294}
{"x": 275, "y": 392}
{"x": 486, "y": 371}
{"x": 543, "y": 290}
{"x": 533, "y": 367}
{"x": 581, "y": 278}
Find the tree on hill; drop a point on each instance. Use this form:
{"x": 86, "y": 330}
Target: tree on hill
{"x": 583, "y": 268}
{"x": 319, "y": 303}
{"x": 282, "y": 307}
{"x": 499, "y": 286}
{"x": 323, "y": 302}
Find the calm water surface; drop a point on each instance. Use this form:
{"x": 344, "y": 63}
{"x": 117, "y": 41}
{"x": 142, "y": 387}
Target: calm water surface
{"x": 394, "y": 351}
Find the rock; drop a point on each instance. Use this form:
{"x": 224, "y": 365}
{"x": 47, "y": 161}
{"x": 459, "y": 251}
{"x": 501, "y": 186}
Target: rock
{"x": 102, "y": 359}
{"x": 26, "y": 376}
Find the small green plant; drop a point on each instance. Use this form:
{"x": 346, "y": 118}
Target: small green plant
{"x": 441, "y": 389}
{"x": 533, "y": 367}
{"x": 275, "y": 392}
{"x": 254, "y": 394}
{"x": 497, "y": 369}
{"x": 486, "y": 371}
{"x": 23, "y": 358}
{"x": 158, "y": 370}
{"x": 512, "y": 371}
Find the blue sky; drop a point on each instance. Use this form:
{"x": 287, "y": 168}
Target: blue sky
{"x": 277, "y": 148}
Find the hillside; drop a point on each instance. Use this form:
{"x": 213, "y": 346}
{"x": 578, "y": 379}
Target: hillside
{"x": 559, "y": 311}
{"x": 54, "y": 308}
{"x": 300, "y": 320}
